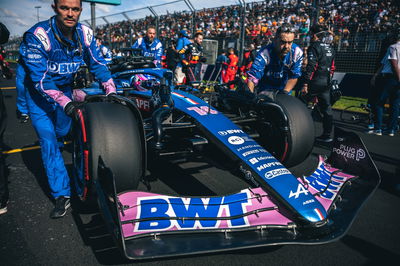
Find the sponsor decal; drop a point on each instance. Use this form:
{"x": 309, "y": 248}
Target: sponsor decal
{"x": 249, "y": 147}
{"x": 63, "y": 68}
{"x": 268, "y": 165}
{"x": 41, "y": 34}
{"x": 350, "y": 152}
{"x": 250, "y": 152}
{"x": 300, "y": 190}
{"x": 87, "y": 35}
{"x": 143, "y": 104}
{"x": 202, "y": 110}
{"x": 264, "y": 158}
{"x": 162, "y": 208}
{"x": 235, "y": 140}
{"x": 253, "y": 160}
{"x": 125, "y": 84}
{"x": 230, "y": 132}
{"x": 308, "y": 201}
{"x": 276, "y": 172}
{"x": 34, "y": 56}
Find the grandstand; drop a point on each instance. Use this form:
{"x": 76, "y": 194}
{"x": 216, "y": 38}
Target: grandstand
{"x": 358, "y": 26}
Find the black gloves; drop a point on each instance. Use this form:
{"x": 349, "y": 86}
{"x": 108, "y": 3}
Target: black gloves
{"x": 70, "y": 108}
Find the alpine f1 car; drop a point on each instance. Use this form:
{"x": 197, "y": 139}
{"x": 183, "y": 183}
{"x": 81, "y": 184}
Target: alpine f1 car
{"x": 115, "y": 135}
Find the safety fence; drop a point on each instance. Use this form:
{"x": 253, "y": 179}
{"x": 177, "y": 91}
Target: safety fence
{"x": 357, "y": 52}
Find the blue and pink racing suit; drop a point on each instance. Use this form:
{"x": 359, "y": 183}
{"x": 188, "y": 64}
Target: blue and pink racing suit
{"x": 106, "y": 53}
{"x": 272, "y": 73}
{"x": 180, "y": 44}
{"x": 50, "y": 61}
{"x": 153, "y": 49}
{"x": 21, "y": 91}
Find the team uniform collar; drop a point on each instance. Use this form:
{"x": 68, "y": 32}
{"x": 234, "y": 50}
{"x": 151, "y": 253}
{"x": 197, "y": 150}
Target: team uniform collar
{"x": 61, "y": 38}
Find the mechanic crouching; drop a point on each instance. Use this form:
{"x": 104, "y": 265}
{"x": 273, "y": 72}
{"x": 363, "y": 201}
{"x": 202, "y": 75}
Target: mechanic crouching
{"x": 277, "y": 65}
{"x": 317, "y": 76}
{"x": 52, "y": 52}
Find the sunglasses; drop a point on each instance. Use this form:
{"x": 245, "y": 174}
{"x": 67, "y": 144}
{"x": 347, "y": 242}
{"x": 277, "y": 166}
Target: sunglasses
{"x": 286, "y": 29}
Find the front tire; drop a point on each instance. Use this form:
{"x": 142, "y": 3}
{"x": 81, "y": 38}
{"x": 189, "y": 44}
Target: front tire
{"x": 109, "y": 131}
{"x": 295, "y": 147}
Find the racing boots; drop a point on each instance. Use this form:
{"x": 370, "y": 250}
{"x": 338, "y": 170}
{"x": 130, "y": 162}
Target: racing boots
{"x": 60, "y": 209}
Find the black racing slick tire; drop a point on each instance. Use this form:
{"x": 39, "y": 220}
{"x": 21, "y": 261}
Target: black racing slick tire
{"x": 109, "y": 131}
{"x": 294, "y": 146}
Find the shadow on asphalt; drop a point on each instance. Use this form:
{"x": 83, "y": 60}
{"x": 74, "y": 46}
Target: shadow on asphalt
{"x": 95, "y": 235}
{"x": 379, "y": 256}
{"x": 33, "y": 162}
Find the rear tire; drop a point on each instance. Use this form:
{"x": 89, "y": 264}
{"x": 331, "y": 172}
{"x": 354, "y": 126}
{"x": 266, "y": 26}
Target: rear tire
{"x": 110, "y": 131}
{"x": 301, "y": 135}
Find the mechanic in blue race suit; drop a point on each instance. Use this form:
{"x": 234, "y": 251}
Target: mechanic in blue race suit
{"x": 183, "y": 41}
{"x": 150, "y": 46}
{"x": 22, "y": 108}
{"x": 277, "y": 65}
{"x": 52, "y": 51}
{"x": 104, "y": 51}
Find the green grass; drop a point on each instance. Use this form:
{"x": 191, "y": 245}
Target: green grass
{"x": 346, "y": 101}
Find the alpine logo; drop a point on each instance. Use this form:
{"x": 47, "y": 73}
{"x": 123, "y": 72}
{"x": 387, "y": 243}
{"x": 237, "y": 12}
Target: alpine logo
{"x": 300, "y": 190}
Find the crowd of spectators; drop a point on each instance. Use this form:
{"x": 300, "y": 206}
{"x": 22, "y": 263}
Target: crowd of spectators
{"x": 343, "y": 17}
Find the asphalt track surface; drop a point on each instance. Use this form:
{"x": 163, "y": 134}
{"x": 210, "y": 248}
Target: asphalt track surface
{"x": 29, "y": 237}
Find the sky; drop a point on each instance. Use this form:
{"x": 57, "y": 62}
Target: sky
{"x": 20, "y": 15}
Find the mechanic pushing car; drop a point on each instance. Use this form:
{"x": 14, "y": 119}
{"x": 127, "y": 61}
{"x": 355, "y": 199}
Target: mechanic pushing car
{"x": 277, "y": 65}
{"x": 150, "y": 45}
{"x": 318, "y": 75}
{"x": 52, "y": 52}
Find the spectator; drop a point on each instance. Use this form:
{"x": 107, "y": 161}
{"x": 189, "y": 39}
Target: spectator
{"x": 390, "y": 73}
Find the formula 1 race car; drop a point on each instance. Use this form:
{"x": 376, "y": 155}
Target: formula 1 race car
{"x": 114, "y": 136}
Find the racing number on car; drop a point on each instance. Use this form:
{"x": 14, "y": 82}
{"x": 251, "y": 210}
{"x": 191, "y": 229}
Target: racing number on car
{"x": 203, "y": 110}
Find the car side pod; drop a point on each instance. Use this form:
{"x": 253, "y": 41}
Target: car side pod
{"x": 147, "y": 225}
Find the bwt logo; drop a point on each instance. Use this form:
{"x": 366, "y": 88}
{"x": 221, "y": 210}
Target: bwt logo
{"x": 162, "y": 208}
{"x": 64, "y": 68}
{"x": 230, "y": 132}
